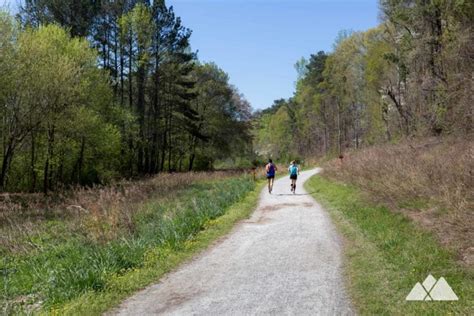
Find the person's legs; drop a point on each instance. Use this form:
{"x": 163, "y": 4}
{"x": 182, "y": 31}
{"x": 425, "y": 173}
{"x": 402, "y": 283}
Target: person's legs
{"x": 270, "y": 183}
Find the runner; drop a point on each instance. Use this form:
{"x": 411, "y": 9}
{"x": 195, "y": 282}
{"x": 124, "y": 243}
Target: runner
{"x": 270, "y": 168}
{"x": 294, "y": 172}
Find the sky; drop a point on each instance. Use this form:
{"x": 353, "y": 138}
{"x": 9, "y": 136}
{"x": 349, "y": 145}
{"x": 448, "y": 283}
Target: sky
{"x": 257, "y": 42}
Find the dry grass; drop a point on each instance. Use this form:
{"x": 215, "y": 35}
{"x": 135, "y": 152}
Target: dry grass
{"x": 104, "y": 233}
{"x": 99, "y": 213}
{"x": 430, "y": 180}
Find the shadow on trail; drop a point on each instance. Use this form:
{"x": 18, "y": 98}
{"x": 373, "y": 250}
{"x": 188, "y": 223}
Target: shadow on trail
{"x": 291, "y": 194}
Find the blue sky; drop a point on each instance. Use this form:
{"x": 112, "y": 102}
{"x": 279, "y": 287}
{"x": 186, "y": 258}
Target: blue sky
{"x": 257, "y": 42}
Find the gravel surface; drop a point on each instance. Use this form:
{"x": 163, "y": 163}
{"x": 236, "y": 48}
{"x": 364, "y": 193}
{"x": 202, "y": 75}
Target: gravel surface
{"x": 285, "y": 259}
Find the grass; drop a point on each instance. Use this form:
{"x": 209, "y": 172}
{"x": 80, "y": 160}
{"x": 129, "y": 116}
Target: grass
{"x": 70, "y": 273}
{"x": 428, "y": 179}
{"x": 386, "y": 254}
{"x": 102, "y": 213}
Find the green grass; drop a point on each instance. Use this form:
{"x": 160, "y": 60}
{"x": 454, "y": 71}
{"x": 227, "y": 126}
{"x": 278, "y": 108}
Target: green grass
{"x": 74, "y": 276}
{"x": 386, "y": 254}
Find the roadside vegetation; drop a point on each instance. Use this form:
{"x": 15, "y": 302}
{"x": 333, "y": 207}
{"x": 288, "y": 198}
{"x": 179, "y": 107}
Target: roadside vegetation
{"x": 429, "y": 181}
{"x": 105, "y": 246}
{"x": 386, "y": 254}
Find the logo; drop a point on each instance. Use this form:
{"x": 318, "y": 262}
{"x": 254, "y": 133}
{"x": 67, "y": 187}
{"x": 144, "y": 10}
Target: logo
{"x": 432, "y": 290}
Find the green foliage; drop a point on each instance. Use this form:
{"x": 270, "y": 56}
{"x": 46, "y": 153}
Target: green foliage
{"x": 275, "y": 138}
{"x": 409, "y": 76}
{"x": 67, "y": 264}
{"x": 75, "y": 15}
{"x": 387, "y": 255}
{"x": 221, "y": 132}
{"x": 54, "y": 122}
{"x": 137, "y": 103}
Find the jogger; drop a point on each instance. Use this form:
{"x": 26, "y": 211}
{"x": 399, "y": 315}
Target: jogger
{"x": 294, "y": 172}
{"x": 270, "y": 169}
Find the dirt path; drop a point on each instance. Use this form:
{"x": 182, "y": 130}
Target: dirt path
{"x": 286, "y": 259}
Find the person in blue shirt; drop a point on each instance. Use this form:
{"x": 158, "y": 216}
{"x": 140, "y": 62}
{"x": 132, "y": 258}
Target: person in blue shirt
{"x": 294, "y": 172}
{"x": 270, "y": 169}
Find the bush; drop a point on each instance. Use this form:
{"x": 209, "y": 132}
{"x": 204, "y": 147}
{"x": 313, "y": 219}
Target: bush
{"x": 430, "y": 180}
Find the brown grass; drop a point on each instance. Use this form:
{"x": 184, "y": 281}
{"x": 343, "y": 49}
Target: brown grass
{"x": 99, "y": 213}
{"x": 430, "y": 180}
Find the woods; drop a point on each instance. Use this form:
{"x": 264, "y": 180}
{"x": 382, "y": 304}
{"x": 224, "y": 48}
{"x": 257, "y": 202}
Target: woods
{"x": 93, "y": 91}
{"x": 410, "y": 76}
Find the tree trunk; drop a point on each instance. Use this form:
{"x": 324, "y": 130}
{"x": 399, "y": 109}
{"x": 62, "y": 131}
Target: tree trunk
{"x": 80, "y": 162}
{"x": 191, "y": 161}
{"x": 192, "y": 155}
{"x": 130, "y": 71}
{"x": 403, "y": 113}
{"x": 32, "y": 163}
{"x": 49, "y": 153}
{"x": 122, "y": 81}
{"x": 163, "y": 152}
{"x": 7, "y": 158}
{"x": 339, "y": 134}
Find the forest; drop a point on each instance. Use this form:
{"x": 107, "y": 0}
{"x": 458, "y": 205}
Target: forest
{"x": 409, "y": 77}
{"x": 93, "y": 91}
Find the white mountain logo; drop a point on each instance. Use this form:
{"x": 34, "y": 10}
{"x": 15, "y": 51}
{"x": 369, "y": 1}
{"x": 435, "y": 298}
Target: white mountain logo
{"x": 432, "y": 290}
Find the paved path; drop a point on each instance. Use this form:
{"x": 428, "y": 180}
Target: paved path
{"x": 286, "y": 259}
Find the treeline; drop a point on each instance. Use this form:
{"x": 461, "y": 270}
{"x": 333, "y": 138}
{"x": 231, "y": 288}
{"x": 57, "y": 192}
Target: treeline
{"x": 94, "y": 90}
{"x": 410, "y": 76}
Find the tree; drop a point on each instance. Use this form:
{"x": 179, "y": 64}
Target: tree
{"x": 54, "y": 82}
{"x": 75, "y": 15}
{"x": 411, "y": 76}
{"x": 223, "y": 125}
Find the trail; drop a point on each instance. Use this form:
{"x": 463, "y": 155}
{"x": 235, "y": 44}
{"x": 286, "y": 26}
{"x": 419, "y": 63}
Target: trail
{"x": 285, "y": 259}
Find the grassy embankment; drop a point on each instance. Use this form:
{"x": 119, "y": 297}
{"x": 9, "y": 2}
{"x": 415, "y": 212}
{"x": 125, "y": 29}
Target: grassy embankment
{"x": 387, "y": 249}
{"x": 87, "y": 263}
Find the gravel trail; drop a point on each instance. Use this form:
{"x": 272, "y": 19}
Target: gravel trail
{"x": 284, "y": 260}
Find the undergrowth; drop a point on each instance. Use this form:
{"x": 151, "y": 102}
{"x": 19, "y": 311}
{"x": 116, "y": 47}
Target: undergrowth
{"x": 387, "y": 254}
{"x": 67, "y": 263}
{"x": 429, "y": 180}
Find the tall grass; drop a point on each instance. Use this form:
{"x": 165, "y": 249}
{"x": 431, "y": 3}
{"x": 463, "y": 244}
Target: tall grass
{"x": 430, "y": 180}
{"x": 101, "y": 212}
{"x": 66, "y": 261}
{"x": 386, "y": 255}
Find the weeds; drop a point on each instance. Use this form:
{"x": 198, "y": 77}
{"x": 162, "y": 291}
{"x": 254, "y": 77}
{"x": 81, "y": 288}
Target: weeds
{"x": 100, "y": 213}
{"x": 69, "y": 261}
{"x": 429, "y": 180}
{"x": 386, "y": 255}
